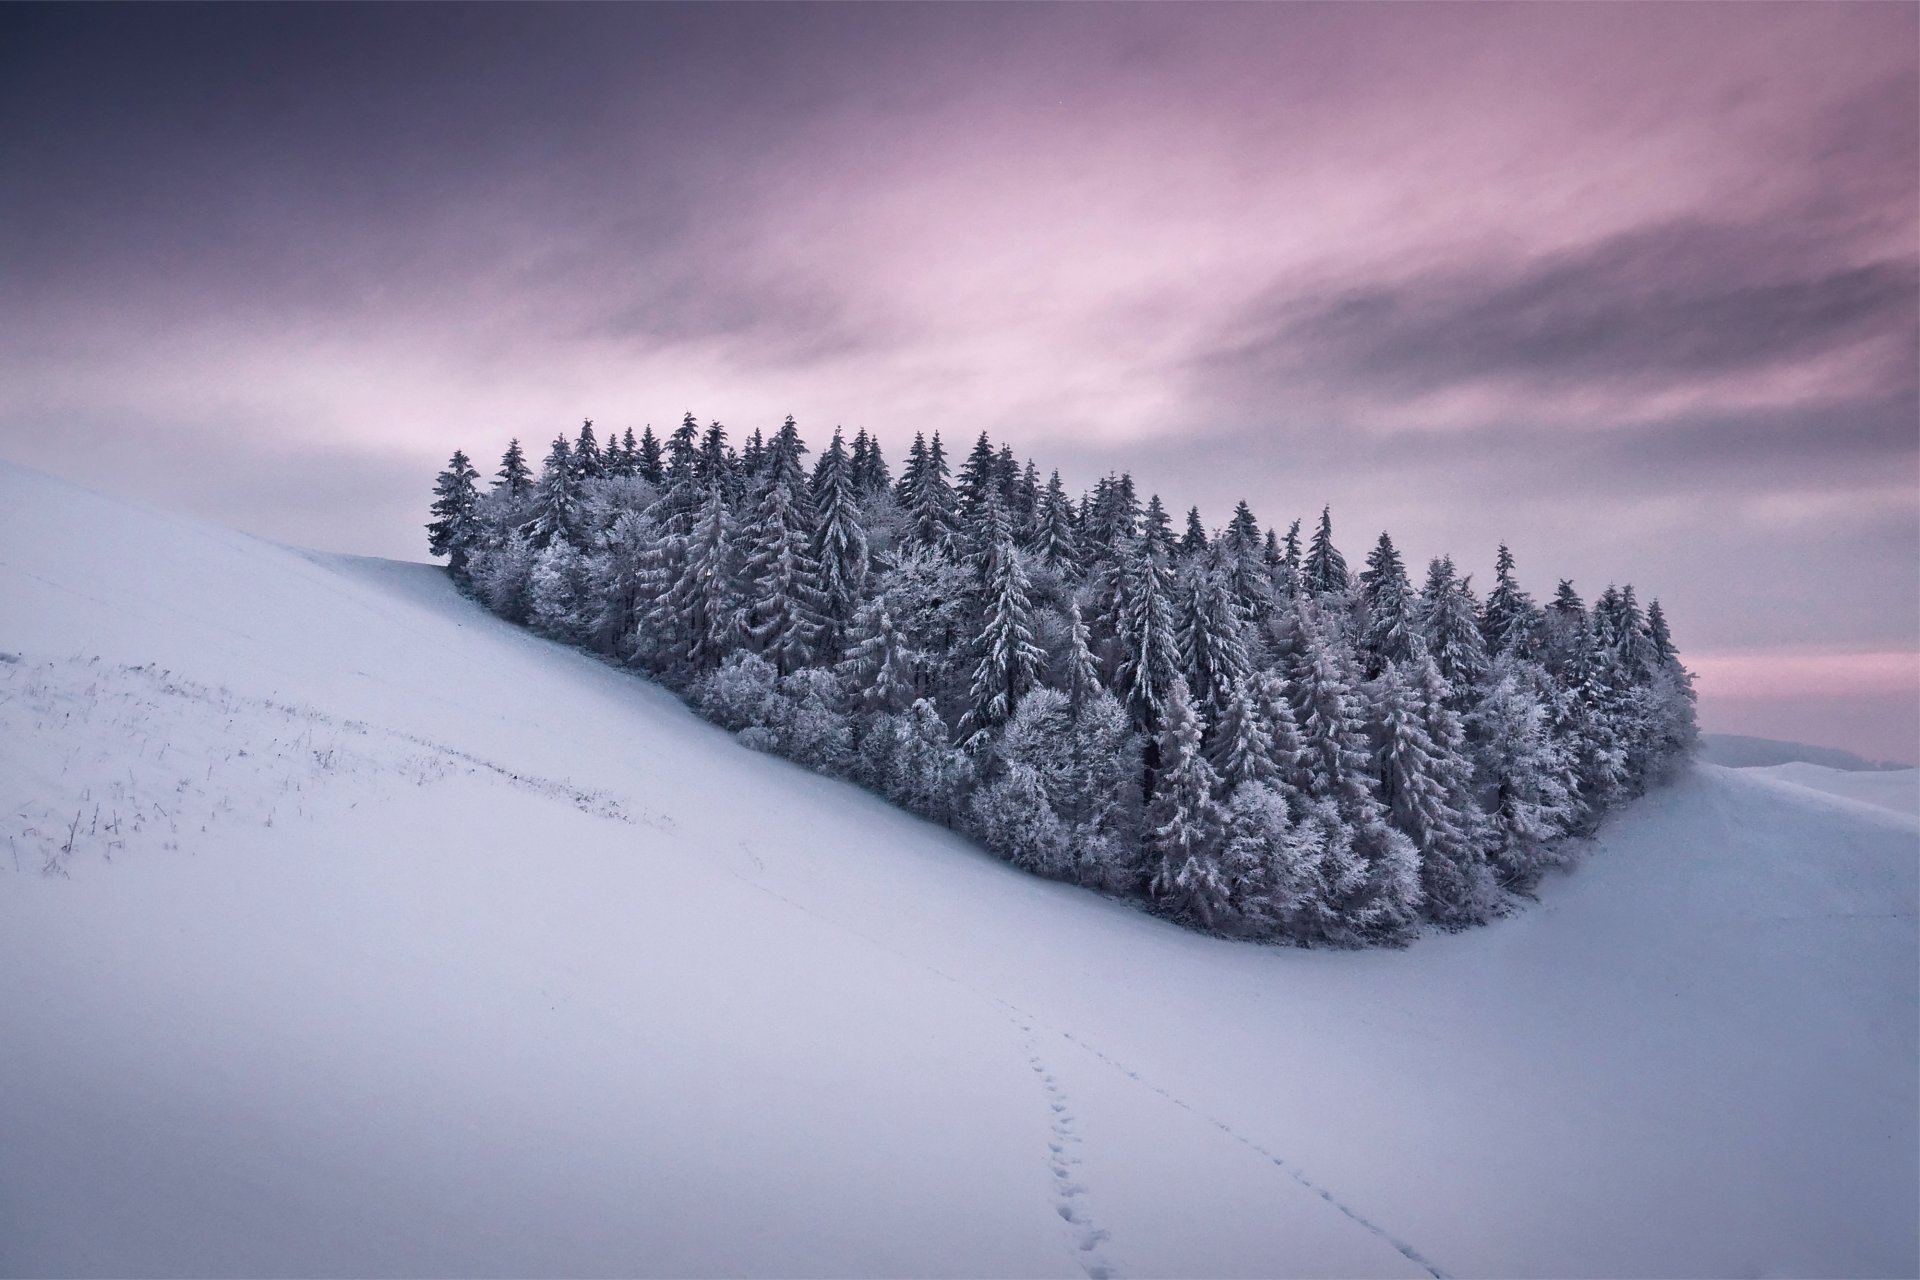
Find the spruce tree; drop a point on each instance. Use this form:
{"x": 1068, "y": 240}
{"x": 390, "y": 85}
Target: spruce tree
{"x": 840, "y": 542}
{"x": 978, "y": 482}
{"x": 647, "y": 461}
{"x": 1426, "y": 786}
{"x": 454, "y": 530}
{"x": 1525, "y": 772}
{"x": 696, "y": 620}
{"x": 1325, "y": 569}
{"x": 1212, "y": 644}
{"x": 782, "y": 580}
{"x": 514, "y": 478}
{"x": 878, "y": 671}
{"x": 1006, "y": 660}
{"x": 1184, "y": 821}
{"x": 1391, "y": 631}
{"x": 1193, "y": 542}
{"x": 1509, "y": 620}
{"x": 588, "y": 462}
{"x": 1149, "y": 650}
{"x": 1055, "y": 540}
{"x": 556, "y": 508}
{"x": 1450, "y": 622}
{"x": 931, "y": 512}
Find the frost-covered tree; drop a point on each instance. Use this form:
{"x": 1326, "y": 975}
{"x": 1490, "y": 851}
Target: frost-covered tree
{"x": 455, "y": 529}
{"x": 1006, "y": 661}
{"x": 840, "y": 543}
{"x": 1183, "y": 822}
{"x": 695, "y": 622}
{"x": 556, "y": 501}
{"x": 1054, "y": 538}
{"x": 1509, "y": 620}
{"x": 1325, "y": 569}
{"x": 1391, "y": 629}
{"x": 589, "y": 463}
{"x": 1450, "y": 623}
{"x": 557, "y": 592}
{"x": 878, "y": 671}
{"x": 1525, "y": 773}
{"x": 932, "y": 515}
{"x": 1426, "y": 785}
{"x": 515, "y": 478}
{"x": 1212, "y": 643}
{"x": 1148, "y": 645}
{"x": 782, "y": 619}
{"x": 1193, "y": 542}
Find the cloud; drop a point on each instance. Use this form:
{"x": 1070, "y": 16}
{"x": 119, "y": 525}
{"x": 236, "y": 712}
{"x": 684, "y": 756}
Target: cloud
{"x": 1648, "y": 310}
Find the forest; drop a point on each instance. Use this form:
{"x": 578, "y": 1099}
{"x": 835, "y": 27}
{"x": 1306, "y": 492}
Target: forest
{"x": 1229, "y": 725}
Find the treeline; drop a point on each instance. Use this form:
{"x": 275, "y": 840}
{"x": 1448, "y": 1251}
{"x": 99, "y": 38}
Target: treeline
{"x": 1229, "y": 725}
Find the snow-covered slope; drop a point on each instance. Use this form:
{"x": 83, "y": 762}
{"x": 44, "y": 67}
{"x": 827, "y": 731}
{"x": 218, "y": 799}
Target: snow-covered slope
{"x": 1895, "y": 789}
{"x": 348, "y": 930}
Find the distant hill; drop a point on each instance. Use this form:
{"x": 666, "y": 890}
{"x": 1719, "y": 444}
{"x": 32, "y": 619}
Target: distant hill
{"x": 1737, "y": 751}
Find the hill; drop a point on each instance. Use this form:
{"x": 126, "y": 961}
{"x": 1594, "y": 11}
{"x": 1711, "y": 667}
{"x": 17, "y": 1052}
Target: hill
{"x": 350, "y": 930}
{"x": 1738, "y": 751}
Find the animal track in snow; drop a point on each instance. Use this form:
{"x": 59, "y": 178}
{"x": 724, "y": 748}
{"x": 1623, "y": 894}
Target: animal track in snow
{"x": 1069, "y": 1194}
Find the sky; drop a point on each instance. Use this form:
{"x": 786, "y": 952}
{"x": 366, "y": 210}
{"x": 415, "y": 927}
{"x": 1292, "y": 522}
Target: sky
{"x": 1633, "y": 288}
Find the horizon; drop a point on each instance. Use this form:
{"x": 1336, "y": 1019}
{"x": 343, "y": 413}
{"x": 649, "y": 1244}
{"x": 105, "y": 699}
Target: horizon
{"x": 1633, "y": 291}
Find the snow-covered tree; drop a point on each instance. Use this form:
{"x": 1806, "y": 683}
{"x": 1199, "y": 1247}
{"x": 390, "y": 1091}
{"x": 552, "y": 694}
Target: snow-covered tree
{"x": 1325, "y": 569}
{"x": 514, "y": 478}
{"x": 1184, "y": 823}
{"x": 455, "y": 530}
{"x": 1007, "y": 662}
{"x": 1391, "y": 631}
{"x": 556, "y": 501}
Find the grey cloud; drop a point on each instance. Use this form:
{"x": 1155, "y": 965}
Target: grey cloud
{"x": 1656, "y": 307}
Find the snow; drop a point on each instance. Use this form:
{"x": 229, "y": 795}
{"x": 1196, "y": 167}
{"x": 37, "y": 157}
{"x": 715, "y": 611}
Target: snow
{"x": 1895, "y": 789}
{"x": 353, "y": 931}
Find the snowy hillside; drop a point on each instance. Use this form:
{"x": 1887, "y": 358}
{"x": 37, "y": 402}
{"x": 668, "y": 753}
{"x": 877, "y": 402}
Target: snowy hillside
{"x": 1896, "y": 789}
{"x": 350, "y": 930}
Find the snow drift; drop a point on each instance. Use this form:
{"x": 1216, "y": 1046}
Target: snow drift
{"x": 349, "y": 930}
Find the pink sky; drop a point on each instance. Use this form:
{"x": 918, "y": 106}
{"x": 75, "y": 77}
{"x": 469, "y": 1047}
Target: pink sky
{"x": 1632, "y": 287}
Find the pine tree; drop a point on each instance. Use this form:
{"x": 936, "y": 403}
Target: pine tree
{"x": 556, "y": 512}
{"x": 782, "y": 579}
{"x": 1080, "y": 680}
{"x": 878, "y": 671}
{"x": 840, "y": 542}
{"x": 629, "y": 454}
{"x": 708, "y": 605}
{"x": 647, "y": 462}
{"x": 1212, "y": 644}
{"x": 1241, "y": 747}
{"x": 1426, "y": 787}
{"x": 1194, "y": 541}
{"x": 1392, "y": 632}
{"x": 1055, "y": 540}
{"x": 1158, "y": 529}
{"x": 931, "y": 514}
{"x": 1450, "y": 622}
{"x": 1006, "y": 660}
{"x": 1525, "y": 772}
{"x": 514, "y": 478}
{"x": 716, "y": 462}
{"x": 1184, "y": 821}
{"x": 1325, "y": 569}
{"x": 454, "y": 530}
{"x": 1149, "y": 647}
{"x": 978, "y": 482}
{"x": 588, "y": 462}
{"x": 1336, "y": 769}
{"x": 1509, "y": 621}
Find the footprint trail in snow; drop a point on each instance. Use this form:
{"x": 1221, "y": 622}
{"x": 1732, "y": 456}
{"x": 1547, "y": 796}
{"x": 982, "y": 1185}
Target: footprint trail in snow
{"x": 1063, "y": 1159}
